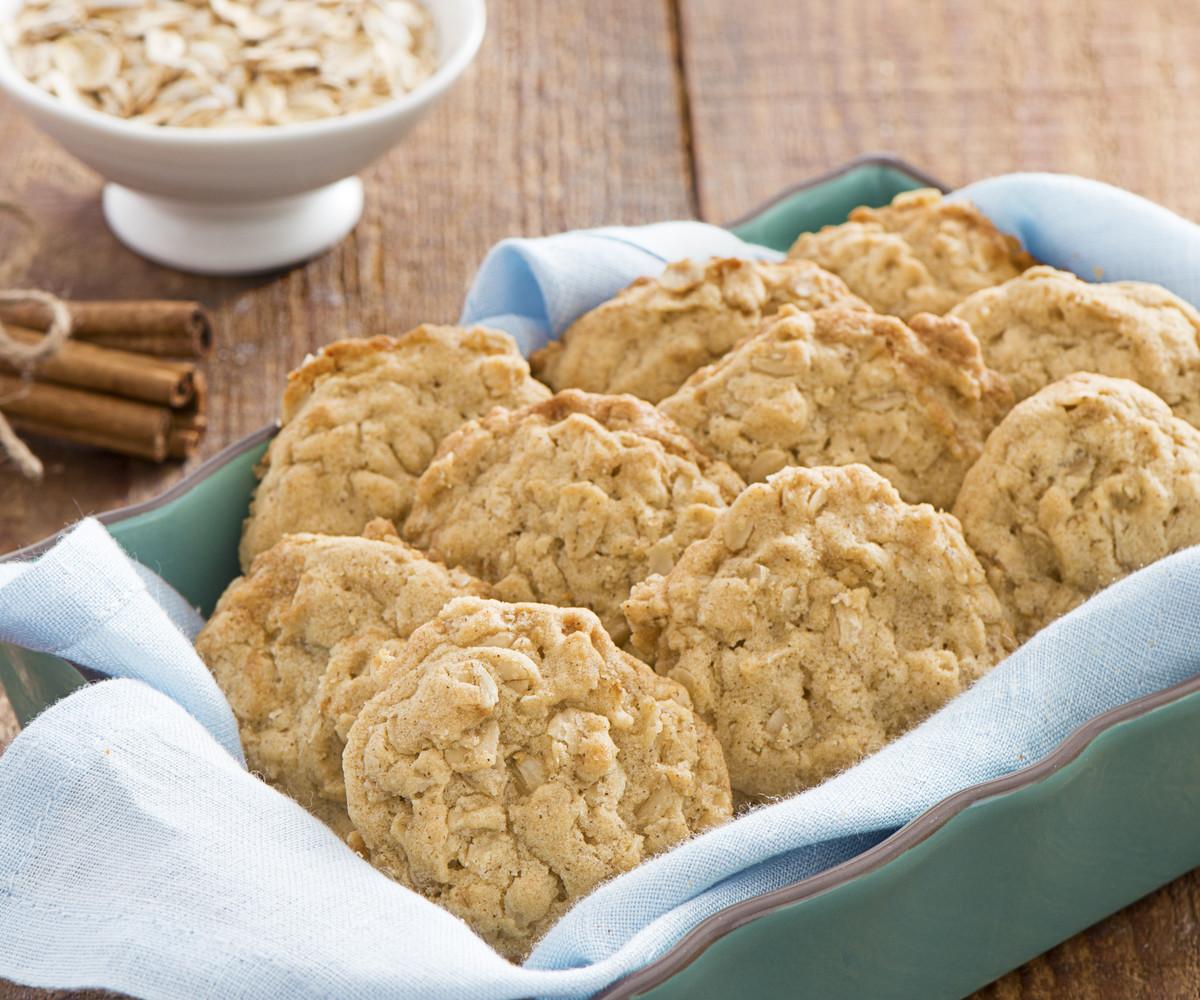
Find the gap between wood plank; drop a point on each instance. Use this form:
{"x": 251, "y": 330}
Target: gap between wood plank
{"x": 684, "y": 101}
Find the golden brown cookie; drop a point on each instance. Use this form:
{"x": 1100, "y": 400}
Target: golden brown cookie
{"x": 570, "y": 501}
{"x": 1081, "y": 484}
{"x": 291, "y": 645}
{"x": 655, "y": 333}
{"x": 1047, "y": 324}
{"x": 517, "y": 758}
{"x": 839, "y": 386}
{"x": 919, "y": 254}
{"x": 820, "y": 619}
{"x": 362, "y": 419}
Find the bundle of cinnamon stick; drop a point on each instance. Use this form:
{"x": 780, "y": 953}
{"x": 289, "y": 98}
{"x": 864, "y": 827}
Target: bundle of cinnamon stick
{"x": 126, "y": 381}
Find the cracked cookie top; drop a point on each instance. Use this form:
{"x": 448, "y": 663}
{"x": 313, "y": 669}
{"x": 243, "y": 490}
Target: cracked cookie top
{"x": 517, "y": 758}
{"x": 1084, "y": 482}
{"x": 821, "y": 618}
{"x": 918, "y": 254}
{"x": 839, "y": 386}
{"x": 1048, "y": 324}
{"x": 656, "y": 332}
{"x": 291, "y": 646}
{"x": 362, "y": 419}
{"x": 570, "y": 501}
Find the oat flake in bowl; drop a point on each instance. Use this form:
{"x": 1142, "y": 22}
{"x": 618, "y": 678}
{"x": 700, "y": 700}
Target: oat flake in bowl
{"x": 231, "y": 198}
{"x": 216, "y": 63}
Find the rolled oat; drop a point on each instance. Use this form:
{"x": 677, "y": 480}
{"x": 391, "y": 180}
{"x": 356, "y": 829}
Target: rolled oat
{"x": 206, "y": 63}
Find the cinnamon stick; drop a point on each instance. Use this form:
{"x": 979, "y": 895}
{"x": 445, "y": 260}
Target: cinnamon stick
{"x": 182, "y": 443}
{"x": 184, "y": 421}
{"x": 122, "y": 425}
{"x": 102, "y": 369}
{"x": 161, "y": 327}
{"x": 199, "y": 401}
{"x": 94, "y": 439}
{"x": 189, "y": 424}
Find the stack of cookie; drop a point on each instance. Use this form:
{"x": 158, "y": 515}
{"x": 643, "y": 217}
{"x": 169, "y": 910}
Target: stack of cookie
{"x": 510, "y": 636}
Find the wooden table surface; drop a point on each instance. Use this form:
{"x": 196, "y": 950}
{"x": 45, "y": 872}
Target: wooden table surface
{"x": 580, "y": 113}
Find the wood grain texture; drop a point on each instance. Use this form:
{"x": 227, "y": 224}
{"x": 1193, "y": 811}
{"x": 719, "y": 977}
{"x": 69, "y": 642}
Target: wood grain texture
{"x": 582, "y": 113}
{"x": 568, "y": 118}
{"x": 778, "y": 90}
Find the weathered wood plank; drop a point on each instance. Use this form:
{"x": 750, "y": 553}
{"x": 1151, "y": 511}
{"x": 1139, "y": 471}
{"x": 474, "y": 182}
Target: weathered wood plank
{"x": 779, "y": 90}
{"x": 569, "y": 118}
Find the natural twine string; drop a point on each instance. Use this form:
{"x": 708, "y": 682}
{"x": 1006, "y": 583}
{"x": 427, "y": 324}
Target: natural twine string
{"x": 25, "y": 357}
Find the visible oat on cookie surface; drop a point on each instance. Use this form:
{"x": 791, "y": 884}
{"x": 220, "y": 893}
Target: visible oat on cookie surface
{"x": 570, "y": 501}
{"x": 1084, "y": 482}
{"x": 517, "y": 758}
{"x": 839, "y": 386}
{"x": 820, "y": 619}
{"x": 656, "y": 332}
{"x": 362, "y": 419}
{"x": 918, "y": 254}
{"x": 291, "y": 646}
{"x": 1048, "y": 324}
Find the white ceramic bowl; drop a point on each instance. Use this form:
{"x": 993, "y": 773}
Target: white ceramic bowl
{"x": 240, "y": 201}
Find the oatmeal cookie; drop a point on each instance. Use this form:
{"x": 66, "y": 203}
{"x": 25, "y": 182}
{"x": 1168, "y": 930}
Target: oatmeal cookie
{"x": 658, "y": 331}
{"x": 839, "y": 386}
{"x": 820, "y": 619}
{"x": 1047, "y": 324}
{"x": 570, "y": 501}
{"x": 291, "y": 645}
{"x": 1081, "y": 484}
{"x": 362, "y": 419}
{"x": 919, "y": 254}
{"x": 517, "y": 758}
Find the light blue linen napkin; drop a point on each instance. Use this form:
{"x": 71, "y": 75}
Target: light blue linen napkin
{"x": 137, "y": 854}
{"x": 85, "y": 602}
{"x": 534, "y": 289}
{"x": 1100, "y": 232}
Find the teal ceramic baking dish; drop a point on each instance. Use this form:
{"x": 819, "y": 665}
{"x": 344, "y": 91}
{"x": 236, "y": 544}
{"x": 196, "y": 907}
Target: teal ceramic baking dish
{"x": 983, "y": 881}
